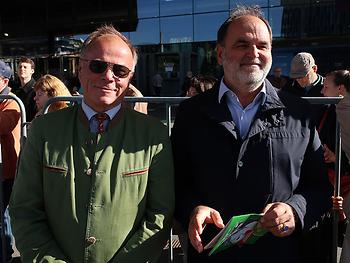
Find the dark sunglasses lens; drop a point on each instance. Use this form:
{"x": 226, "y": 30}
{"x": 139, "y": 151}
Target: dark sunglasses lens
{"x": 97, "y": 66}
{"x": 120, "y": 71}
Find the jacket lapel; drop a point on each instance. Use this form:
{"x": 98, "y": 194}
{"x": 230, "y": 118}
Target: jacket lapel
{"x": 218, "y": 112}
{"x": 270, "y": 113}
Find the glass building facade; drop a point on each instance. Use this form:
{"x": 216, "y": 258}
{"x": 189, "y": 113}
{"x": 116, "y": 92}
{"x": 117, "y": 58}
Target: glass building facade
{"x": 176, "y": 36}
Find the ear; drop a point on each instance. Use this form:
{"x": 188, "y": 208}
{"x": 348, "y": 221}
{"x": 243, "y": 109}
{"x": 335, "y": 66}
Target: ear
{"x": 219, "y": 52}
{"x": 342, "y": 90}
{"x": 6, "y": 81}
{"x": 314, "y": 68}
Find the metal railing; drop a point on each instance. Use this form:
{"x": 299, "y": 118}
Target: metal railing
{"x": 24, "y": 122}
{"x": 22, "y": 141}
{"x": 3, "y": 239}
{"x": 168, "y": 101}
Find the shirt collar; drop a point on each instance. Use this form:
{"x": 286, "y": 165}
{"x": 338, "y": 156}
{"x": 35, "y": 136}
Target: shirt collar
{"x": 224, "y": 89}
{"x": 89, "y": 112}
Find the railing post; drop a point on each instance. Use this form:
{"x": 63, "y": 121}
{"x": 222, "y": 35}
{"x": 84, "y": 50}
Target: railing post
{"x": 3, "y": 240}
{"x": 23, "y": 115}
{"x": 334, "y": 254}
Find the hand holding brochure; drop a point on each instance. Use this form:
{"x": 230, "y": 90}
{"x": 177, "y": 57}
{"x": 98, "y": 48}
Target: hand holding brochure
{"x": 240, "y": 230}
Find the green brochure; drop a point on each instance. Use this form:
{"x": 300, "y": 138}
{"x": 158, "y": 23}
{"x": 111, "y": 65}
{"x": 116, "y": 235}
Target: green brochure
{"x": 240, "y": 230}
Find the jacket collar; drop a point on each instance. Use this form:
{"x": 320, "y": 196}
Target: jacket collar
{"x": 117, "y": 118}
{"x": 219, "y": 112}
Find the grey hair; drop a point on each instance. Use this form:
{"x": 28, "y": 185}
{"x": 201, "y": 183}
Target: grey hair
{"x": 237, "y": 13}
{"x": 108, "y": 30}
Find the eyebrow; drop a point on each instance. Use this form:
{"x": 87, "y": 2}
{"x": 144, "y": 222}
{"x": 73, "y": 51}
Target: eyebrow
{"x": 245, "y": 41}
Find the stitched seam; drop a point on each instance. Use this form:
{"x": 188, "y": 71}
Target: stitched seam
{"x": 133, "y": 173}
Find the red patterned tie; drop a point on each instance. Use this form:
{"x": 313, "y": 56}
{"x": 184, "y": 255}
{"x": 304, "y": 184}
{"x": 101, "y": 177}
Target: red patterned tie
{"x": 101, "y": 117}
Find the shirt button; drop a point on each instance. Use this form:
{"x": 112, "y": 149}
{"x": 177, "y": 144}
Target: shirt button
{"x": 88, "y": 171}
{"x": 240, "y": 164}
{"x": 91, "y": 240}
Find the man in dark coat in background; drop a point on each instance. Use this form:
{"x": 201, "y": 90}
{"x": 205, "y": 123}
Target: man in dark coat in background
{"x": 306, "y": 82}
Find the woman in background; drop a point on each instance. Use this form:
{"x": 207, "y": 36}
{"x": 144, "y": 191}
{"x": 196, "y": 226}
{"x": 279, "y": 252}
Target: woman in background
{"x": 337, "y": 83}
{"x": 199, "y": 84}
{"x": 47, "y": 87}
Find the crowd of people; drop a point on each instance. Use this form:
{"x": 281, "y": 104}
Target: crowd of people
{"x": 101, "y": 181}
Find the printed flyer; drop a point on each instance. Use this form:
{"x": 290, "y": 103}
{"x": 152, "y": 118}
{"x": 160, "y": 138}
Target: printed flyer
{"x": 240, "y": 230}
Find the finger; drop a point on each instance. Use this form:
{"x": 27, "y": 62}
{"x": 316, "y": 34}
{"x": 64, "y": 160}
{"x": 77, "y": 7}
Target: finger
{"x": 197, "y": 223}
{"x": 276, "y": 215}
{"x": 195, "y": 240}
{"x": 275, "y": 210}
{"x": 276, "y": 223}
{"x": 284, "y": 229}
{"x": 267, "y": 208}
{"x": 194, "y": 235}
{"x": 216, "y": 218}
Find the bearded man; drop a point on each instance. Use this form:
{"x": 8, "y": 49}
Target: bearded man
{"x": 247, "y": 147}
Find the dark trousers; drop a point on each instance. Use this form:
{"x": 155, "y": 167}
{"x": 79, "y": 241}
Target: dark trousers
{"x": 7, "y": 189}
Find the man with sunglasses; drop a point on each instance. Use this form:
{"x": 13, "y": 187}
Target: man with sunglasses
{"x": 95, "y": 182}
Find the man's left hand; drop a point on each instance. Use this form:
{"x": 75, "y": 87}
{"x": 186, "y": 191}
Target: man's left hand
{"x": 279, "y": 219}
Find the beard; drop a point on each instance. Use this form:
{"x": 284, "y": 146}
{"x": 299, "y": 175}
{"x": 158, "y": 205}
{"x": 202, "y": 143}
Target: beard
{"x": 247, "y": 77}
{"x": 256, "y": 77}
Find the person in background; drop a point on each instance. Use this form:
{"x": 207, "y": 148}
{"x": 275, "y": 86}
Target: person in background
{"x": 245, "y": 147}
{"x": 327, "y": 133}
{"x": 26, "y": 91}
{"x": 277, "y": 80}
{"x": 157, "y": 83}
{"x": 338, "y": 83}
{"x": 187, "y": 82}
{"x": 47, "y": 87}
{"x": 95, "y": 180}
{"x": 306, "y": 82}
{"x": 200, "y": 84}
{"x": 10, "y": 135}
{"x": 132, "y": 91}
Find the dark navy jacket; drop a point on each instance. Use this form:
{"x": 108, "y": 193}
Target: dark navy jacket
{"x": 280, "y": 161}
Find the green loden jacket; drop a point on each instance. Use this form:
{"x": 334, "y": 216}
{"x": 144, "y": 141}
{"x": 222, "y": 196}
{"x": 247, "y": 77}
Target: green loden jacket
{"x": 82, "y": 197}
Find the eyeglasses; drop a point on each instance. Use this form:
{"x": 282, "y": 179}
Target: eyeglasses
{"x": 99, "y": 66}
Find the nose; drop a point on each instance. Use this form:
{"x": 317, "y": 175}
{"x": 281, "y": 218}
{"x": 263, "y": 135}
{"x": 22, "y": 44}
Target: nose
{"x": 108, "y": 74}
{"x": 253, "y": 51}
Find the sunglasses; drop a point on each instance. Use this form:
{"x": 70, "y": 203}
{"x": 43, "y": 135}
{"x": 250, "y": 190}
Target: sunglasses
{"x": 99, "y": 66}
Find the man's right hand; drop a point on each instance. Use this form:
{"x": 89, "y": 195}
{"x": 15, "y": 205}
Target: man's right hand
{"x": 202, "y": 215}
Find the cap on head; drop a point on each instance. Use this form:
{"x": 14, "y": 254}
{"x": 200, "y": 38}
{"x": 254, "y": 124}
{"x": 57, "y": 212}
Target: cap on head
{"x": 5, "y": 70}
{"x": 301, "y": 65}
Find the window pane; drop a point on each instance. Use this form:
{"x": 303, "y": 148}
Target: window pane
{"x": 175, "y": 7}
{"x": 210, "y": 5}
{"x": 275, "y": 2}
{"x": 148, "y": 8}
{"x": 176, "y": 29}
{"x": 204, "y": 31}
{"x": 262, "y": 3}
{"x": 147, "y": 32}
{"x": 275, "y": 20}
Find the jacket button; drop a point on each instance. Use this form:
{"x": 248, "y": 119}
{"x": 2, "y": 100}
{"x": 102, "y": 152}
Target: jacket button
{"x": 240, "y": 164}
{"x": 88, "y": 171}
{"x": 91, "y": 240}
